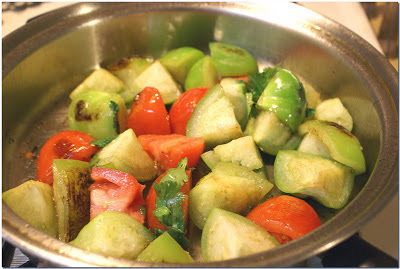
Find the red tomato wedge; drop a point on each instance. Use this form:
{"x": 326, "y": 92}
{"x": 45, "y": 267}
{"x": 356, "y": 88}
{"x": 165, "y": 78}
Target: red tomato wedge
{"x": 152, "y": 221}
{"x": 168, "y": 150}
{"x": 286, "y": 217}
{"x": 182, "y": 109}
{"x": 148, "y": 114}
{"x": 114, "y": 190}
{"x": 64, "y": 145}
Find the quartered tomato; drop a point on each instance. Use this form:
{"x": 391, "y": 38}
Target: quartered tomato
{"x": 148, "y": 114}
{"x": 152, "y": 221}
{"x": 182, "y": 109}
{"x": 285, "y": 217}
{"x": 168, "y": 150}
{"x": 114, "y": 190}
{"x": 64, "y": 145}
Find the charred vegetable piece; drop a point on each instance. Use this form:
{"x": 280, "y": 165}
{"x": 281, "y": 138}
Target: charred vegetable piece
{"x": 99, "y": 114}
{"x": 232, "y": 61}
{"x": 126, "y": 154}
{"x": 227, "y": 235}
{"x": 72, "y": 196}
{"x": 99, "y": 80}
{"x": 235, "y": 90}
{"x": 164, "y": 249}
{"x": 229, "y": 186}
{"x": 242, "y": 151}
{"x": 157, "y": 76}
{"x": 213, "y": 119}
{"x": 270, "y": 133}
{"x": 333, "y": 110}
{"x": 180, "y": 60}
{"x": 114, "y": 234}
{"x": 33, "y": 201}
{"x": 285, "y": 96}
{"x": 343, "y": 146}
{"x": 203, "y": 74}
{"x": 305, "y": 174}
{"x": 127, "y": 70}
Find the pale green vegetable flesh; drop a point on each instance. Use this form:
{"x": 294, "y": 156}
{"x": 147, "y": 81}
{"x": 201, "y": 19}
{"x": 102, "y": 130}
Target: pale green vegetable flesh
{"x": 312, "y": 144}
{"x": 180, "y": 60}
{"x": 99, "y": 80}
{"x": 270, "y": 133}
{"x": 242, "y": 151}
{"x": 99, "y": 114}
{"x": 164, "y": 249}
{"x": 305, "y": 174}
{"x": 236, "y": 92}
{"x": 157, "y": 76}
{"x": 71, "y": 195}
{"x": 127, "y": 70}
{"x": 213, "y": 120}
{"x": 285, "y": 96}
{"x": 210, "y": 158}
{"x": 33, "y": 202}
{"x": 333, "y": 110}
{"x": 114, "y": 234}
{"x": 232, "y": 61}
{"x": 229, "y": 186}
{"x": 126, "y": 154}
{"x": 343, "y": 146}
{"x": 202, "y": 74}
{"x": 227, "y": 235}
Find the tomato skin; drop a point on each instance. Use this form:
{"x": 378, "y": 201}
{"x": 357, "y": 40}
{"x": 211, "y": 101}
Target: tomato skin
{"x": 183, "y": 107}
{"x": 114, "y": 190}
{"x": 285, "y": 215}
{"x": 168, "y": 150}
{"x": 148, "y": 114}
{"x": 152, "y": 221}
{"x": 73, "y": 145}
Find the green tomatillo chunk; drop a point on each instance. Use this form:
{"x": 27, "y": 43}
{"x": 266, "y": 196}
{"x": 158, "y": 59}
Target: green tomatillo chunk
{"x": 164, "y": 249}
{"x": 114, "y": 234}
{"x": 202, "y": 74}
{"x": 235, "y": 90}
{"x": 126, "y": 154}
{"x": 227, "y": 235}
{"x": 180, "y": 60}
{"x": 99, "y": 80}
{"x": 343, "y": 146}
{"x": 229, "y": 186}
{"x": 285, "y": 96}
{"x": 232, "y": 61}
{"x": 33, "y": 202}
{"x": 308, "y": 175}
{"x": 99, "y": 114}
{"x": 213, "y": 119}
{"x": 270, "y": 133}
{"x": 127, "y": 70}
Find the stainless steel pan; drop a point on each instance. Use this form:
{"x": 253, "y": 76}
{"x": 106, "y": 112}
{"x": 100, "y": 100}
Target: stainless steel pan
{"x": 44, "y": 60}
